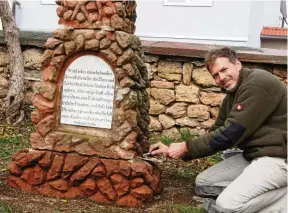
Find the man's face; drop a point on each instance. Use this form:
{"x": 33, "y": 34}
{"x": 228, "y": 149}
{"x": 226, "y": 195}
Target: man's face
{"x": 225, "y": 73}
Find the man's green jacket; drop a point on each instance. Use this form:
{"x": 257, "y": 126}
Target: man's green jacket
{"x": 253, "y": 117}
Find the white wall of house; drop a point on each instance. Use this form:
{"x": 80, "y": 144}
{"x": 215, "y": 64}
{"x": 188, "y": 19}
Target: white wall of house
{"x": 223, "y": 22}
{"x": 230, "y": 22}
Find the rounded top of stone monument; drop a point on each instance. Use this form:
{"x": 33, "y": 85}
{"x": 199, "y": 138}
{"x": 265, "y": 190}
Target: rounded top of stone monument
{"x": 114, "y": 15}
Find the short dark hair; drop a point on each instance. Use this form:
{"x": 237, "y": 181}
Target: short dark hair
{"x": 224, "y": 52}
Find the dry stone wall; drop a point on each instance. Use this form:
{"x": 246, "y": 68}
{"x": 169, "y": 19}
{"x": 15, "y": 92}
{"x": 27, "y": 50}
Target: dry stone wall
{"x": 183, "y": 96}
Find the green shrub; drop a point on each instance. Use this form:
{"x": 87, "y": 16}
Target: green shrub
{"x": 166, "y": 140}
{"x": 10, "y": 145}
{"x": 5, "y": 208}
{"x": 186, "y": 135}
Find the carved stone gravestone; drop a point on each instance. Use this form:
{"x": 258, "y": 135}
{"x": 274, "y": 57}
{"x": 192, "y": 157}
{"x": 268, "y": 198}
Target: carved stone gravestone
{"x": 91, "y": 110}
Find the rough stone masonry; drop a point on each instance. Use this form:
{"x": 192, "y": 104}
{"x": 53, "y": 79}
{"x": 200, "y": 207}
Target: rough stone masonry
{"x": 91, "y": 110}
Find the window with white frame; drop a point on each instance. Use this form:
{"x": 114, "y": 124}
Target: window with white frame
{"x": 193, "y": 3}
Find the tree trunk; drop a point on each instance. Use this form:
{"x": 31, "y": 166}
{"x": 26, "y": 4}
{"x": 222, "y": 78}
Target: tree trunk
{"x": 14, "y": 99}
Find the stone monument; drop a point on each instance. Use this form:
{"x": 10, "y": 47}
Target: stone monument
{"x": 91, "y": 110}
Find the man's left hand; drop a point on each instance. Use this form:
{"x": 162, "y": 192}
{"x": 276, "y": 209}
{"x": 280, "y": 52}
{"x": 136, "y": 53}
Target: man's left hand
{"x": 177, "y": 150}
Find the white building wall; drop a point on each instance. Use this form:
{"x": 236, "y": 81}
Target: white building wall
{"x": 230, "y": 22}
{"x": 34, "y": 15}
{"x": 263, "y": 13}
{"x": 223, "y": 22}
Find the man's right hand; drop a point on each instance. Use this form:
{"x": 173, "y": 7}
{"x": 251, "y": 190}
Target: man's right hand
{"x": 158, "y": 148}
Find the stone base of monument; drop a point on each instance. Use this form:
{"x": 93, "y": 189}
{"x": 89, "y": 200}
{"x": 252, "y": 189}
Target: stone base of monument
{"x": 123, "y": 182}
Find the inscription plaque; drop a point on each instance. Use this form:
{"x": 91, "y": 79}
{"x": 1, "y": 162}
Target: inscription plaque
{"x": 88, "y": 93}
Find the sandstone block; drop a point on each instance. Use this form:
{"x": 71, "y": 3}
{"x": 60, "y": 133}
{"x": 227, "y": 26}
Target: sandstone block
{"x": 4, "y": 59}
{"x": 105, "y": 43}
{"x": 83, "y": 172}
{"x": 110, "y": 55}
{"x": 177, "y": 110}
{"x": 212, "y": 99}
{"x": 187, "y": 122}
{"x": 45, "y": 125}
{"x": 116, "y": 49}
{"x": 80, "y": 17}
{"x": 36, "y": 140}
{"x": 168, "y": 67}
{"x": 199, "y": 111}
{"x": 49, "y": 74}
{"x": 92, "y": 44}
{"x": 32, "y": 59}
{"x": 100, "y": 198}
{"x": 122, "y": 39}
{"x": 187, "y": 73}
{"x": 63, "y": 34}
{"x": 4, "y": 83}
{"x": 117, "y": 22}
{"x": 162, "y": 84}
{"x": 129, "y": 142}
{"x": 142, "y": 193}
{"x": 106, "y": 188}
{"x": 99, "y": 171}
{"x": 125, "y": 168}
{"x": 19, "y": 183}
{"x": 42, "y": 104}
{"x": 69, "y": 47}
{"x": 122, "y": 187}
{"x": 59, "y": 184}
{"x": 61, "y": 10}
{"x": 171, "y": 76}
{"x": 207, "y": 124}
{"x": 111, "y": 166}
{"x": 14, "y": 169}
{"x": 56, "y": 167}
{"x": 187, "y": 93}
{"x": 164, "y": 96}
{"x": 129, "y": 200}
{"x": 46, "y": 160}
{"x": 172, "y": 133}
{"x": 59, "y": 50}
{"x": 156, "y": 108}
{"x": 89, "y": 186}
{"x": 122, "y": 131}
{"x": 194, "y": 131}
{"x": 91, "y": 6}
{"x": 150, "y": 58}
{"x": 72, "y": 163}
{"x": 46, "y": 89}
{"x": 166, "y": 121}
{"x": 79, "y": 42}
{"x": 136, "y": 182}
{"x": 125, "y": 57}
{"x": 202, "y": 77}
{"x": 46, "y": 57}
{"x": 154, "y": 125}
{"x": 214, "y": 112}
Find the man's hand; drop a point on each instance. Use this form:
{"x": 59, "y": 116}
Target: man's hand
{"x": 158, "y": 148}
{"x": 177, "y": 150}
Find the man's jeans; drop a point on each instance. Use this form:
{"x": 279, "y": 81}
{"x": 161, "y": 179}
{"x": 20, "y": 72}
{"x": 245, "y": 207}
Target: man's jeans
{"x": 259, "y": 186}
